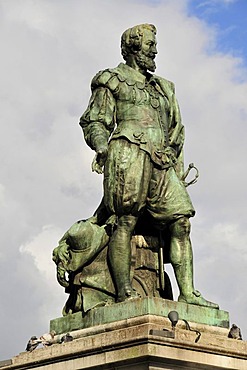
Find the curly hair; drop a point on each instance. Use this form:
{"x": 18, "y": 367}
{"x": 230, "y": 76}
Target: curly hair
{"x": 131, "y": 39}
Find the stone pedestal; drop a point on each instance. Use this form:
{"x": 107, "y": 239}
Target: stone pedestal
{"x": 138, "y": 342}
{"x": 139, "y": 307}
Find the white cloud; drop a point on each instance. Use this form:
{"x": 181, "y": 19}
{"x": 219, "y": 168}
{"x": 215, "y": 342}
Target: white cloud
{"x": 2, "y": 195}
{"x": 40, "y": 248}
{"x": 213, "y": 3}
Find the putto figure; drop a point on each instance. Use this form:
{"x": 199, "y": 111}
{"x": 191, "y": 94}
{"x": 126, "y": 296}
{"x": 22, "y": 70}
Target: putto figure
{"x": 133, "y": 124}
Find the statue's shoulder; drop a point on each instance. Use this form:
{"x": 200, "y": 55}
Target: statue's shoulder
{"x": 105, "y": 78}
{"x": 112, "y": 77}
{"x": 166, "y": 84}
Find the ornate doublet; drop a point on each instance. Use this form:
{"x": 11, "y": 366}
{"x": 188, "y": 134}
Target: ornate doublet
{"x": 142, "y": 109}
{"x": 140, "y": 116}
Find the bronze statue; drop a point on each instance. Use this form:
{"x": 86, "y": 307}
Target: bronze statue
{"x": 133, "y": 124}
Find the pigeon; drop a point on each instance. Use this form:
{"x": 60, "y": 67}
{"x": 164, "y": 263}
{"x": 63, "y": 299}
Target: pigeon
{"x": 32, "y": 343}
{"x": 48, "y": 338}
{"x": 66, "y": 338}
{"x": 235, "y": 332}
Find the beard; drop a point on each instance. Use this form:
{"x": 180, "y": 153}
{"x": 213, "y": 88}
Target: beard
{"x": 145, "y": 62}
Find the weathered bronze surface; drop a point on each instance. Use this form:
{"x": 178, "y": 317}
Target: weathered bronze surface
{"x": 148, "y": 306}
{"x": 133, "y": 124}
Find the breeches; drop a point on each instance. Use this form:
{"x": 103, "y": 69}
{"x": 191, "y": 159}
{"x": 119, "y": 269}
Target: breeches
{"x": 133, "y": 182}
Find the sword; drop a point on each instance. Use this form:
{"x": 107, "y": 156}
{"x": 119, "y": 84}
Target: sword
{"x": 161, "y": 262}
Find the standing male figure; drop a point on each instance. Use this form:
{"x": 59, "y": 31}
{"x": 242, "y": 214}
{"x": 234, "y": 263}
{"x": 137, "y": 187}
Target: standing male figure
{"x": 134, "y": 125}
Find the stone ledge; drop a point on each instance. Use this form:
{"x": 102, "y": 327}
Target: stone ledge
{"x": 140, "y": 307}
{"x": 122, "y": 345}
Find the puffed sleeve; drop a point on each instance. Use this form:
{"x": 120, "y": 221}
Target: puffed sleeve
{"x": 98, "y": 121}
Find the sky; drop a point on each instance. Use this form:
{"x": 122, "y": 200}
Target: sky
{"x": 51, "y": 49}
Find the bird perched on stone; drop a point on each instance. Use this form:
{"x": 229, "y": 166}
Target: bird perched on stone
{"x": 235, "y": 332}
{"x": 32, "y": 343}
{"x": 48, "y": 338}
{"x": 67, "y": 338}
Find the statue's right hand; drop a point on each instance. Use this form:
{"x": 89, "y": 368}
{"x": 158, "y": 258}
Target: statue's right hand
{"x": 99, "y": 160}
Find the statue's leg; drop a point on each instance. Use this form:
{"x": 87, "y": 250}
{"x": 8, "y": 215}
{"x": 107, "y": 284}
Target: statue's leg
{"x": 120, "y": 257}
{"x": 181, "y": 257}
{"x": 126, "y": 183}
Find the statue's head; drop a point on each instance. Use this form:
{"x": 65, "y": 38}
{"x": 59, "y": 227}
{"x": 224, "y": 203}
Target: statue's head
{"x": 139, "y": 42}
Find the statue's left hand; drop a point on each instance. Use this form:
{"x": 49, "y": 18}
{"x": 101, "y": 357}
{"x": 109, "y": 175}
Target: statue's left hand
{"x": 99, "y": 160}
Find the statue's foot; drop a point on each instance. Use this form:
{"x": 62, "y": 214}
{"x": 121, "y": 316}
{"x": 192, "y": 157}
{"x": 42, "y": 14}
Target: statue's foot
{"x": 196, "y": 298}
{"x": 126, "y": 294}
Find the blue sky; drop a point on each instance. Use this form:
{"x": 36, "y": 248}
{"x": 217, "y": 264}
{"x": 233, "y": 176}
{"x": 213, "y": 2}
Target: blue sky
{"x": 229, "y": 19}
{"x": 50, "y": 50}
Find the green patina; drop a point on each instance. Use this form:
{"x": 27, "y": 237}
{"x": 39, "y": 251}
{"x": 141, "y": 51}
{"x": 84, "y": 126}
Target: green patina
{"x": 133, "y": 123}
{"x": 140, "y": 307}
